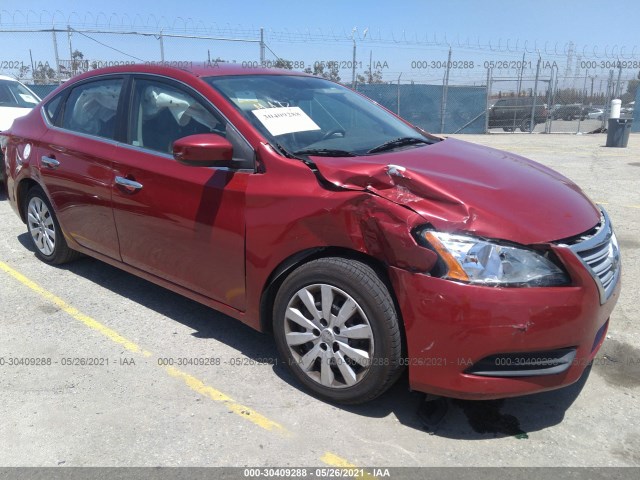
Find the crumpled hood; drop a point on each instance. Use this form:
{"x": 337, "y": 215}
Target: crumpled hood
{"x": 462, "y": 187}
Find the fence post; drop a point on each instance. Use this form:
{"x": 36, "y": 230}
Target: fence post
{"x": 550, "y": 99}
{"x": 584, "y": 90}
{"x": 617, "y": 94}
{"x": 532, "y": 121}
{"x": 488, "y": 100}
{"x": 398, "y": 92}
{"x": 445, "y": 89}
{"x": 161, "y": 38}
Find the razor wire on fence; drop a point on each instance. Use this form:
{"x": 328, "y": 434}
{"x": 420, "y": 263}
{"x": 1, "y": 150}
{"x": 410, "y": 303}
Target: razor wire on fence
{"x": 436, "y": 85}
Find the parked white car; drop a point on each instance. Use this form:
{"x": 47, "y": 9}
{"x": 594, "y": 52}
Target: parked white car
{"x": 595, "y": 113}
{"x": 16, "y": 100}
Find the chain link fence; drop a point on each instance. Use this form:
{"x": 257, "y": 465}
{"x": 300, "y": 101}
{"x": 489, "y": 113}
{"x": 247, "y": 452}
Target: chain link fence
{"x": 468, "y": 89}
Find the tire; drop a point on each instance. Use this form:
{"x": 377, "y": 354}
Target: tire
{"x": 357, "y": 367}
{"x": 525, "y": 125}
{"x": 44, "y": 230}
{"x": 3, "y": 177}
{"x": 508, "y": 129}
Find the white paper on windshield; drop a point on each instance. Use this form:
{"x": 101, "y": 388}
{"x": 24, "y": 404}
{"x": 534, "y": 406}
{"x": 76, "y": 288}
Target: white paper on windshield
{"x": 283, "y": 120}
{"x": 28, "y": 98}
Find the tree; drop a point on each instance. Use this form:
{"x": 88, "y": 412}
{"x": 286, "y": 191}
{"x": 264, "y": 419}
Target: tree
{"x": 44, "y": 74}
{"x": 632, "y": 89}
{"x": 368, "y": 77}
{"x": 332, "y": 72}
{"x": 282, "y": 63}
{"x": 23, "y": 72}
{"x": 78, "y": 64}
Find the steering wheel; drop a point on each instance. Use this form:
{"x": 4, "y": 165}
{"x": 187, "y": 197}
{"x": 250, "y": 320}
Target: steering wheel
{"x": 332, "y": 132}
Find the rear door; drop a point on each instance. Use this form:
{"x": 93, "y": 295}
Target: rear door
{"x": 183, "y": 224}
{"x": 75, "y": 161}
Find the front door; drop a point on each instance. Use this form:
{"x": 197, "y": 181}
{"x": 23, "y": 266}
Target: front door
{"x": 183, "y": 224}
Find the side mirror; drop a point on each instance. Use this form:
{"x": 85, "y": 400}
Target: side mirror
{"x": 203, "y": 150}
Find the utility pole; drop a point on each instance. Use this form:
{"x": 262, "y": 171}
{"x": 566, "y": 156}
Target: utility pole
{"x": 261, "y": 46}
{"x": 55, "y": 52}
{"x": 69, "y": 40}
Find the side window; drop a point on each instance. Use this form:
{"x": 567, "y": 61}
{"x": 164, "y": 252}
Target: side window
{"x": 51, "y": 108}
{"x": 91, "y": 108}
{"x": 161, "y": 114}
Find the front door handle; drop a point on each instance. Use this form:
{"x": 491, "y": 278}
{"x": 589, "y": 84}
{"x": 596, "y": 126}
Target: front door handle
{"x": 129, "y": 185}
{"x": 49, "y": 162}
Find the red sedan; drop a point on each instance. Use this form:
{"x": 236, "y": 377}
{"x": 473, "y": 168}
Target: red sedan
{"x": 302, "y": 208}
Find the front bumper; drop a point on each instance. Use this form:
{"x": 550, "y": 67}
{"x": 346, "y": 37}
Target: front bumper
{"x": 450, "y": 327}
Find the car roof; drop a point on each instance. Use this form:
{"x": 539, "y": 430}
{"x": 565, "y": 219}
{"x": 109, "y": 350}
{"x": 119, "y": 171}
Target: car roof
{"x": 4, "y": 77}
{"x": 197, "y": 69}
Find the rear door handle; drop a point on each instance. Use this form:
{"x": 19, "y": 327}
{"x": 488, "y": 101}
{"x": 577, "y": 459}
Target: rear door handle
{"x": 49, "y": 162}
{"x": 129, "y": 185}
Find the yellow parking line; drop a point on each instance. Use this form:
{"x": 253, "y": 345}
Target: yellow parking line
{"x": 190, "y": 381}
{"x": 73, "y": 312}
{"x": 336, "y": 461}
{"x": 339, "y": 462}
{"x": 245, "y": 412}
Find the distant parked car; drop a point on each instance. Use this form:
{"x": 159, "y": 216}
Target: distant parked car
{"x": 569, "y": 112}
{"x": 512, "y": 113}
{"x": 16, "y": 100}
{"x": 595, "y": 113}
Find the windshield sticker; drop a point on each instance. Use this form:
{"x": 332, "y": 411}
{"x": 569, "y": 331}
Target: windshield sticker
{"x": 28, "y": 98}
{"x": 282, "y": 120}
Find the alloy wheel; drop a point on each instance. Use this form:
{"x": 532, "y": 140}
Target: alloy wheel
{"x": 329, "y": 336}
{"x": 41, "y": 226}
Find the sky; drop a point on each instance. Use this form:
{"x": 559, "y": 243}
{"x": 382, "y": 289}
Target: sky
{"x": 597, "y": 29}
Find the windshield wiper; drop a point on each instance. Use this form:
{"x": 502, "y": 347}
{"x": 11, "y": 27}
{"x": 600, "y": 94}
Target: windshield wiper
{"x": 398, "y": 142}
{"x": 325, "y": 152}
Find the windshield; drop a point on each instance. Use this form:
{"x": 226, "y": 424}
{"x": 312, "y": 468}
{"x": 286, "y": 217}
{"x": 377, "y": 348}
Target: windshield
{"x": 14, "y": 94}
{"x": 312, "y": 116}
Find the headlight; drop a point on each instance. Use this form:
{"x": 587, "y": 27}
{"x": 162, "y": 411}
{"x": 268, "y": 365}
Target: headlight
{"x": 477, "y": 261}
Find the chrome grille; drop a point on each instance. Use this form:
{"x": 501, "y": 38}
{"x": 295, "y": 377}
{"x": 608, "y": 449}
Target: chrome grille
{"x": 599, "y": 252}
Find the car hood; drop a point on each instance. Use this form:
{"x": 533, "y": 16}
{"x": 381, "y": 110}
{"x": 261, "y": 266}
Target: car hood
{"x": 461, "y": 187}
{"x": 9, "y": 114}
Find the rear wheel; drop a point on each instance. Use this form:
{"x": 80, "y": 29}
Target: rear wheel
{"x": 44, "y": 230}
{"x": 336, "y": 326}
{"x": 525, "y": 126}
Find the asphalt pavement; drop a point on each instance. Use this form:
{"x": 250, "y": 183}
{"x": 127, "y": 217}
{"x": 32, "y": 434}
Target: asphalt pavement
{"x": 116, "y": 371}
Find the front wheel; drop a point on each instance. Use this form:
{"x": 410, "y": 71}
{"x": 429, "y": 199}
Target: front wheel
{"x": 44, "y": 229}
{"x": 336, "y": 327}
